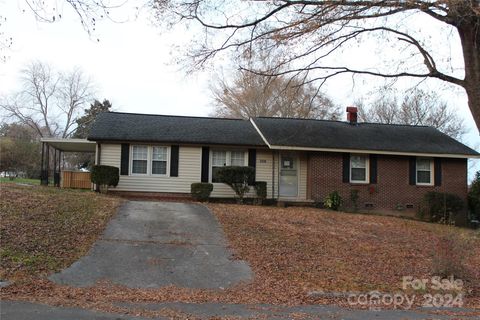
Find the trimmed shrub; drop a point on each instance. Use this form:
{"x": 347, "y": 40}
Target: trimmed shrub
{"x": 238, "y": 178}
{"x": 441, "y": 207}
{"x": 333, "y": 201}
{"x": 261, "y": 189}
{"x": 201, "y": 190}
{"x": 474, "y": 198}
{"x": 105, "y": 176}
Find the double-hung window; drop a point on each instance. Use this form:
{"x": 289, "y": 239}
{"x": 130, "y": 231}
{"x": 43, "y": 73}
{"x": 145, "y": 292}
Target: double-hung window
{"x": 359, "y": 168}
{"x": 424, "y": 171}
{"x": 159, "y": 160}
{"x": 221, "y": 158}
{"x": 139, "y": 159}
{"x": 237, "y": 158}
{"x": 149, "y": 160}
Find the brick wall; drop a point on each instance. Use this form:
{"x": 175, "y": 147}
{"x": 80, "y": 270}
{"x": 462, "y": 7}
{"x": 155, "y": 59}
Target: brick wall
{"x": 392, "y": 188}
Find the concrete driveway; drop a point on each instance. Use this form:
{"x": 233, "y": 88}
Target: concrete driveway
{"x": 154, "y": 244}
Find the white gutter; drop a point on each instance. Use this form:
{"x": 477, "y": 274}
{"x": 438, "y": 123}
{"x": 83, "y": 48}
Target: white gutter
{"x": 397, "y": 153}
{"x": 418, "y": 154}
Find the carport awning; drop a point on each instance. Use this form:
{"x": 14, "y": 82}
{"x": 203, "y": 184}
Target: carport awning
{"x": 71, "y": 145}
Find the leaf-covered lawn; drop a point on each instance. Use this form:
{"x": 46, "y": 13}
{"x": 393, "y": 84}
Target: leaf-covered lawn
{"x": 44, "y": 229}
{"x": 296, "y": 250}
{"x": 292, "y": 251}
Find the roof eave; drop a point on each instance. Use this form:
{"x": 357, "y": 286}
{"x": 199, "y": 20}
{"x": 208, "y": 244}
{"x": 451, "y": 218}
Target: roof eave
{"x": 399, "y": 153}
{"x": 176, "y": 142}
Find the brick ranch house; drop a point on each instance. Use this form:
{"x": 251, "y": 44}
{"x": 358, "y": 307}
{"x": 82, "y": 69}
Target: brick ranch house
{"x": 392, "y": 166}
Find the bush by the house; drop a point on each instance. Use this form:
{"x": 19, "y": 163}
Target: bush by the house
{"x": 474, "y": 198}
{"x": 261, "y": 190}
{"x": 441, "y": 207}
{"x": 333, "y": 201}
{"x": 238, "y": 178}
{"x": 354, "y": 195}
{"x": 105, "y": 176}
{"x": 201, "y": 190}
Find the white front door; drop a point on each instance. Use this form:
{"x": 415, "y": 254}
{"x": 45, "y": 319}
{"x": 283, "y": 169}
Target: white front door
{"x": 288, "y": 181}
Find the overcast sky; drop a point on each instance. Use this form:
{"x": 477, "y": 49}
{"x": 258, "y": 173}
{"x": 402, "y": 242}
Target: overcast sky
{"x": 132, "y": 64}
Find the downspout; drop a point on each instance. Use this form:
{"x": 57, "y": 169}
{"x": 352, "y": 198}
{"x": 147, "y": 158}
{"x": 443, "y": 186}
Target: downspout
{"x": 42, "y": 165}
{"x": 98, "y": 160}
{"x": 99, "y": 154}
{"x": 273, "y": 175}
{"x": 278, "y": 174}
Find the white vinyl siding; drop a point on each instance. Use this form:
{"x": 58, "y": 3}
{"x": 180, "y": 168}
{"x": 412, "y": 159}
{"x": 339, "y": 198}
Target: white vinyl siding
{"x": 264, "y": 169}
{"x": 189, "y": 171}
{"x": 110, "y": 154}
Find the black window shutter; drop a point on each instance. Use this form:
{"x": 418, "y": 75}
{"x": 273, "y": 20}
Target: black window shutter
{"x": 205, "y": 163}
{"x": 412, "y": 171}
{"x": 174, "y": 161}
{"x": 252, "y": 162}
{"x": 437, "y": 169}
{"x": 373, "y": 168}
{"x": 124, "y": 159}
{"x": 346, "y": 168}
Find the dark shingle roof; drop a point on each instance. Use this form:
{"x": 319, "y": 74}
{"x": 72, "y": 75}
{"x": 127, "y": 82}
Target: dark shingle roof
{"x": 363, "y": 136}
{"x": 117, "y": 126}
{"x": 300, "y": 133}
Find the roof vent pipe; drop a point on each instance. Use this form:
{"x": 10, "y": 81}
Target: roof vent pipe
{"x": 352, "y": 115}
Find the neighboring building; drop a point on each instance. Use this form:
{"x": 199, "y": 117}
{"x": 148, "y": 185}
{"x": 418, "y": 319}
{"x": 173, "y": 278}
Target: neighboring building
{"x": 392, "y": 166}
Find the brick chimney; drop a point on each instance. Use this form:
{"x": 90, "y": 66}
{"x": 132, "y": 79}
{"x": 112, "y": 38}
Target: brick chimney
{"x": 352, "y": 113}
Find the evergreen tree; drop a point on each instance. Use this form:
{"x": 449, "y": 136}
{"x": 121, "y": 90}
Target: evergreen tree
{"x": 85, "y": 122}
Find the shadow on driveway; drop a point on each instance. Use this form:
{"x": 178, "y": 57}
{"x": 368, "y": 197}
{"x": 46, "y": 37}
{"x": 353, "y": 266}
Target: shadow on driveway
{"x": 155, "y": 244}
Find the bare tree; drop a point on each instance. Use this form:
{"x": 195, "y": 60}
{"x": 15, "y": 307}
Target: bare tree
{"x": 49, "y": 102}
{"x": 5, "y": 40}
{"x": 252, "y": 95}
{"x": 417, "y": 107}
{"x": 309, "y": 33}
{"x": 88, "y": 11}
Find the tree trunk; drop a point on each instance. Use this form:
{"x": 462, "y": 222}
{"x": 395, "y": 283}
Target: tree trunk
{"x": 469, "y": 32}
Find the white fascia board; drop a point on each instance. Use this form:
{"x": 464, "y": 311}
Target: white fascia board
{"x": 260, "y": 133}
{"x": 398, "y": 153}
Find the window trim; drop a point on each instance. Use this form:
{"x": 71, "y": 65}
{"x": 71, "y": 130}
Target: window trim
{"x": 432, "y": 173}
{"x": 228, "y": 160}
{"x": 149, "y": 161}
{"x": 131, "y": 161}
{"x": 167, "y": 162}
{"x": 367, "y": 168}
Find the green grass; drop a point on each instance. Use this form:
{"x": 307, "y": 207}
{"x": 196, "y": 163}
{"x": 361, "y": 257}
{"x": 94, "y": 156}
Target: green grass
{"x": 20, "y": 180}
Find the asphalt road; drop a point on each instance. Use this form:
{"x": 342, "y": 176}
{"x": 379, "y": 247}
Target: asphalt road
{"x": 32, "y": 311}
